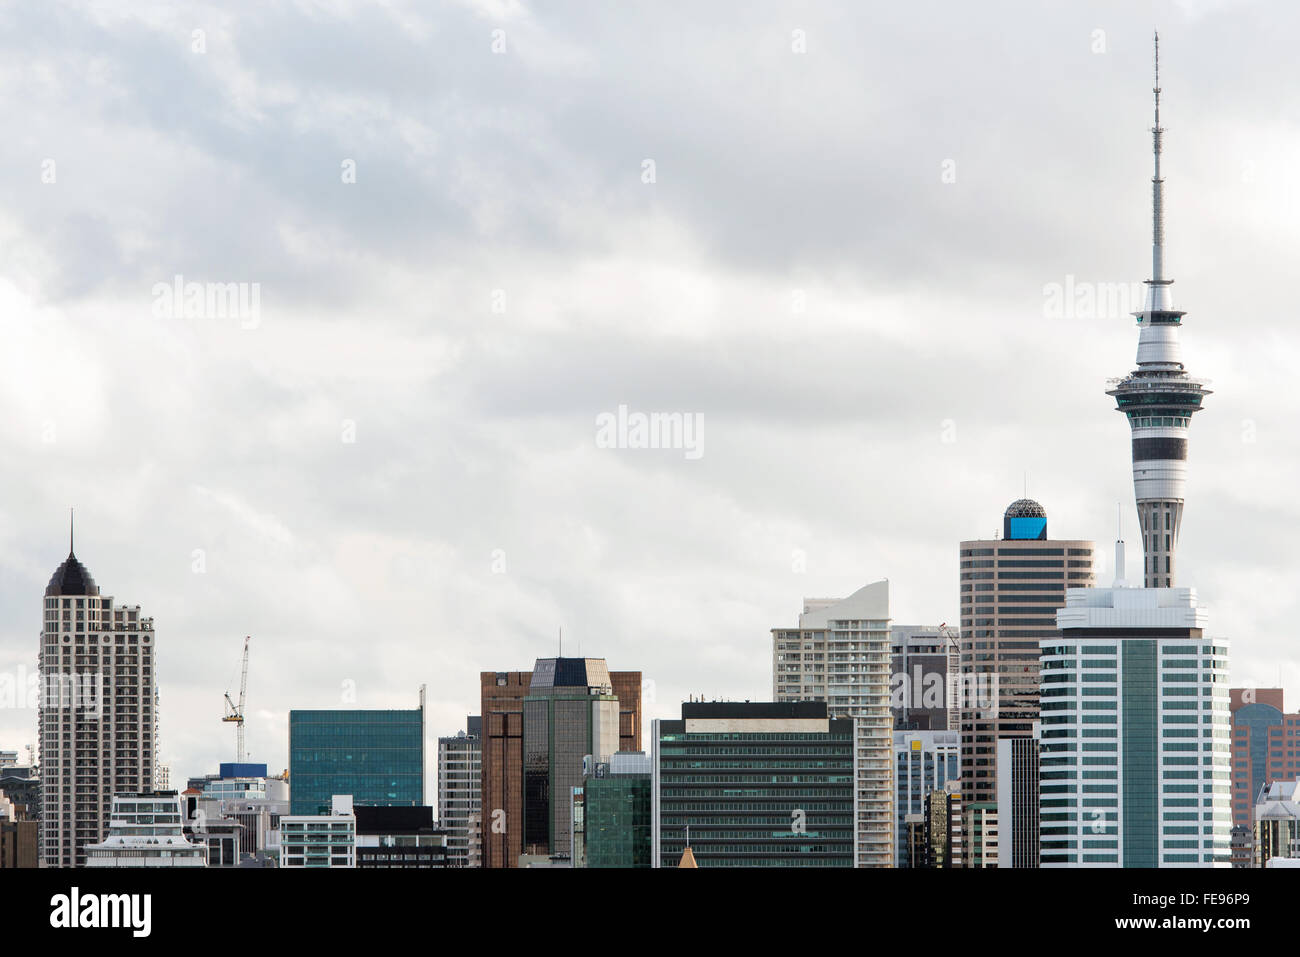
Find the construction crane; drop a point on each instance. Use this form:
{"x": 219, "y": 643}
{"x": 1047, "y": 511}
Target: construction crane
{"x": 953, "y": 693}
{"x": 235, "y": 712}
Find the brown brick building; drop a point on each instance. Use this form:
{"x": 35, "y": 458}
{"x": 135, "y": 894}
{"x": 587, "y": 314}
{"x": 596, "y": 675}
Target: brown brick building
{"x": 502, "y": 696}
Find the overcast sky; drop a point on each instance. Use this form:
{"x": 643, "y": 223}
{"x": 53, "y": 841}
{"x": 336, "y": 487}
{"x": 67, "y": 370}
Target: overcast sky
{"x": 857, "y": 243}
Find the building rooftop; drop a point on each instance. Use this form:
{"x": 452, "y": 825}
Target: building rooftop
{"x": 753, "y": 709}
{"x": 570, "y": 673}
{"x": 71, "y": 578}
{"x": 1138, "y": 608}
{"x": 868, "y": 603}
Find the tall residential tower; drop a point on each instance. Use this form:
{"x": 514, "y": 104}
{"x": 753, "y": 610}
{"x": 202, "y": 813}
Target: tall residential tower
{"x": 1159, "y": 398}
{"x": 840, "y": 654}
{"x": 98, "y": 724}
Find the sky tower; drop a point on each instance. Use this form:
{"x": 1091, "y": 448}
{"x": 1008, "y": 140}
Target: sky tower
{"x": 1159, "y": 397}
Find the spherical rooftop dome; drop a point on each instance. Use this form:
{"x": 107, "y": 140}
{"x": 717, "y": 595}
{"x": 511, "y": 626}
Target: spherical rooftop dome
{"x": 1025, "y": 508}
{"x": 71, "y": 578}
{"x": 1025, "y": 519}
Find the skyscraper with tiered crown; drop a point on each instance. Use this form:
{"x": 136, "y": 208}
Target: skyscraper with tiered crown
{"x": 1159, "y": 397}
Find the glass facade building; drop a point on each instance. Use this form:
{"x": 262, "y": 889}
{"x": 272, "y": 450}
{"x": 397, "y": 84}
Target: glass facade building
{"x": 375, "y": 756}
{"x": 924, "y": 762}
{"x": 757, "y": 784}
{"x": 570, "y": 712}
{"x": 616, "y": 812}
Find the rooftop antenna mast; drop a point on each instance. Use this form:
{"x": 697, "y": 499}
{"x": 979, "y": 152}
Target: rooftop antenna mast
{"x": 1157, "y": 195}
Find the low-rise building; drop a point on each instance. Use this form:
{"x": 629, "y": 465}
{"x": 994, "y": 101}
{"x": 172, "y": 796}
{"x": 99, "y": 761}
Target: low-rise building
{"x": 1277, "y": 823}
{"x": 19, "y": 837}
{"x": 402, "y": 837}
{"x": 320, "y": 840}
{"x": 146, "y": 829}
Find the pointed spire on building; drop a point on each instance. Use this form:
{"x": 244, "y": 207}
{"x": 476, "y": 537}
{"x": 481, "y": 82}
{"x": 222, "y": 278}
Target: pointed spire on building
{"x": 71, "y": 538}
{"x": 688, "y": 858}
{"x": 1159, "y": 298}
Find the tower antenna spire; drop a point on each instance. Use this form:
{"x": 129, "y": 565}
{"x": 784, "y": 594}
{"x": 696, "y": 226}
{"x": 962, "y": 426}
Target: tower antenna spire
{"x": 1159, "y": 297}
{"x": 71, "y": 529}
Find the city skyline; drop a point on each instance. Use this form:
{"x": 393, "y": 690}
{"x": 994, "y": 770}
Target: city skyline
{"x": 474, "y": 511}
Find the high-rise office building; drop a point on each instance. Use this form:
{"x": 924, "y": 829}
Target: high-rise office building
{"x": 1159, "y": 398}
{"x": 840, "y": 654}
{"x": 1010, "y": 590}
{"x": 753, "y": 784}
{"x": 502, "y": 782}
{"x": 501, "y": 789}
{"x": 376, "y": 756}
{"x": 924, "y": 683}
{"x": 97, "y": 720}
{"x": 1018, "y": 802}
{"x": 570, "y": 712}
{"x": 924, "y": 762}
{"x": 1265, "y": 747}
{"x": 460, "y": 775}
{"x": 1135, "y": 732}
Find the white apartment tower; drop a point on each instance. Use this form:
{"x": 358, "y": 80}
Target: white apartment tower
{"x": 840, "y": 654}
{"x": 97, "y": 721}
{"x": 460, "y": 760}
